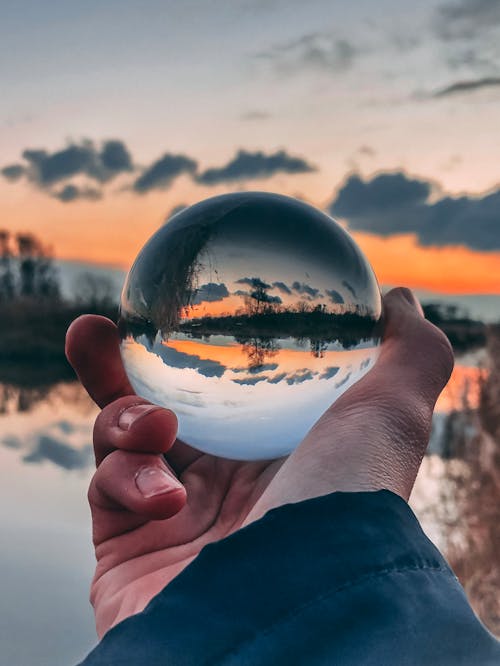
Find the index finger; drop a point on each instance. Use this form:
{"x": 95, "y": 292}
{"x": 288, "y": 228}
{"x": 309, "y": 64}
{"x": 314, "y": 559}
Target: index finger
{"x": 92, "y": 344}
{"x": 93, "y": 349}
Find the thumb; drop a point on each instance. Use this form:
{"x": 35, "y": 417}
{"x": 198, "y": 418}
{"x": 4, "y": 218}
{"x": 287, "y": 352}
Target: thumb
{"x": 416, "y": 357}
{"x": 375, "y": 435}
{"x": 377, "y": 432}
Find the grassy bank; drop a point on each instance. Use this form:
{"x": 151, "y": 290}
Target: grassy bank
{"x": 34, "y": 332}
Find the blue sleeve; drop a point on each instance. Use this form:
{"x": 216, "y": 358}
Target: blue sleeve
{"x": 346, "y": 579}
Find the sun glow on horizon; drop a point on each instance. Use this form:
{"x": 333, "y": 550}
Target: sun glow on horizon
{"x": 396, "y": 260}
{"x": 112, "y": 232}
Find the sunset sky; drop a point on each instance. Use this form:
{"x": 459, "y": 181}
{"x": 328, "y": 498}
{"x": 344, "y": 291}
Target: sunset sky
{"x": 385, "y": 114}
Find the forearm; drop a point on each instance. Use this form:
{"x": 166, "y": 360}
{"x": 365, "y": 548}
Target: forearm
{"x": 345, "y": 578}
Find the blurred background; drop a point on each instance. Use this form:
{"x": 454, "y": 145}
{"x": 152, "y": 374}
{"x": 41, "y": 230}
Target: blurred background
{"x": 115, "y": 115}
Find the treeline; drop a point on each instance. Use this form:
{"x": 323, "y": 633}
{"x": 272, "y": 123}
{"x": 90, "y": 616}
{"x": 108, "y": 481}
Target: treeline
{"x": 468, "y": 508}
{"x": 315, "y": 325}
{"x": 26, "y": 269}
{"x": 464, "y": 333}
{"x": 34, "y": 316}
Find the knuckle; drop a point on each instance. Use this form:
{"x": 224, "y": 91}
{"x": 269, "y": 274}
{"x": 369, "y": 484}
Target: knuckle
{"x": 109, "y": 473}
{"x": 92, "y": 490}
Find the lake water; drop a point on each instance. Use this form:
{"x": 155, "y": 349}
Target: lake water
{"x": 46, "y": 558}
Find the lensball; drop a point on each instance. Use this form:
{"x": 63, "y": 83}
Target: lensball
{"x": 248, "y": 315}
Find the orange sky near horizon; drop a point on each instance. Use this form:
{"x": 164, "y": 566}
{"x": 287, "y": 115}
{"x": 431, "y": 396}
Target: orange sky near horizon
{"x": 113, "y": 230}
{"x": 290, "y": 360}
{"x": 401, "y": 261}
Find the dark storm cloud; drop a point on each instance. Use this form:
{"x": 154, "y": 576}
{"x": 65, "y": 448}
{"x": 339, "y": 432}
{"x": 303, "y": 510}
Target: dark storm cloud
{"x": 466, "y": 18}
{"x": 253, "y": 282}
{"x": 13, "y": 172}
{"x": 349, "y": 288}
{"x": 100, "y": 165}
{"x": 49, "y": 168}
{"x": 317, "y": 51}
{"x": 277, "y": 378}
{"x": 46, "y": 169}
{"x": 335, "y": 297}
{"x": 364, "y": 364}
{"x": 247, "y": 165}
{"x": 302, "y": 288}
{"x": 300, "y": 376}
{"x": 209, "y": 293}
{"x": 259, "y": 292}
{"x": 250, "y": 381}
{"x": 178, "y": 359}
{"x": 161, "y": 174}
{"x": 66, "y": 427}
{"x": 115, "y": 157}
{"x": 59, "y": 453}
{"x": 71, "y": 193}
{"x": 265, "y": 367}
{"x": 393, "y": 190}
{"x": 344, "y": 380}
{"x": 394, "y": 203}
{"x": 329, "y": 373}
{"x": 468, "y": 86}
{"x": 282, "y": 287}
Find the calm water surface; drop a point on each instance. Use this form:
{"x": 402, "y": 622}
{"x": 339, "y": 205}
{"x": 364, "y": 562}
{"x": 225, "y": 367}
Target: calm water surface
{"x": 46, "y": 557}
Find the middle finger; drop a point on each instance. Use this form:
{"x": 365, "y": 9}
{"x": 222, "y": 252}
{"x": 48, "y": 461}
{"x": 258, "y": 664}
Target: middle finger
{"x": 133, "y": 424}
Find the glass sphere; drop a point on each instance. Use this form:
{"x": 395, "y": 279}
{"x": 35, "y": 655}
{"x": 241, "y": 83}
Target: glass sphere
{"x": 248, "y": 315}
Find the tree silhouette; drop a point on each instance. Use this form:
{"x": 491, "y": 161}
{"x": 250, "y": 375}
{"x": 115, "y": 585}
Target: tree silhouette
{"x": 7, "y": 285}
{"x": 37, "y": 273}
{"x": 94, "y": 290}
{"x": 26, "y": 269}
{"x": 258, "y": 350}
{"x": 468, "y": 510}
{"x": 259, "y": 301}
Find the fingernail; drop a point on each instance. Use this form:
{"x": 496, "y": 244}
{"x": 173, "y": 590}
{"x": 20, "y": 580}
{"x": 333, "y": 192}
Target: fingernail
{"x": 129, "y": 416}
{"x": 153, "y": 481}
{"x": 408, "y": 295}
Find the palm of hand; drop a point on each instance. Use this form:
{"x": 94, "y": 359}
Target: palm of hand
{"x": 142, "y": 544}
{"x": 134, "y": 565}
{"x": 380, "y": 426}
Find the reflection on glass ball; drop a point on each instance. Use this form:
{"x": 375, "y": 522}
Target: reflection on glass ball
{"x": 248, "y": 315}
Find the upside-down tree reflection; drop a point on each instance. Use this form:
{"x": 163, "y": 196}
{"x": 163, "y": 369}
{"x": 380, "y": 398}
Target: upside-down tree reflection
{"x": 469, "y": 505}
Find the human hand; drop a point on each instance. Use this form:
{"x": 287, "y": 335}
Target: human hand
{"x": 153, "y": 513}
